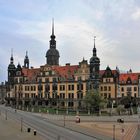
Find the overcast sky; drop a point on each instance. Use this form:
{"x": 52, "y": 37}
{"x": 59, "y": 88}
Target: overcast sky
{"x": 26, "y": 25}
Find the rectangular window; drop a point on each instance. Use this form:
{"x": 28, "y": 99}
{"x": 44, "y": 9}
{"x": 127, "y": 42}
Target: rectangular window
{"x": 54, "y": 80}
{"x": 105, "y": 88}
{"x": 109, "y": 88}
{"x": 20, "y": 80}
{"x": 101, "y": 88}
{"x": 47, "y": 80}
{"x": 62, "y": 87}
{"x": 109, "y": 95}
{"x": 105, "y": 95}
{"x": 47, "y": 95}
{"x": 40, "y": 80}
{"x": 25, "y": 88}
{"x": 31, "y": 88}
{"x": 47, "y": 88}
{"x": 40, "y": 87}
{"x": 62, "y": 96}
{"x": 33, "y": 95}
{"x": 135, "y": 88}
{"x": 79, "y": 95}
{"x": 80, "y": 87}
{"x": 54, "y": 95}
{"x": 77, "y": 87}
{"x": 71, "y": 95}
{"x": 70, "y": 104}
{"x": 128, "y": 88}
{"x": 70, "y": 87}
{"x": 54, "y": 87}
{"x": 26, "y": 95}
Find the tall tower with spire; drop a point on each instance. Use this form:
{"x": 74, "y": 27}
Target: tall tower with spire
{"x": 26, "y": 61}
{"x": 94, "y": 68}
{"x": 52, "y": 55}
{"x": 11, "y": 70}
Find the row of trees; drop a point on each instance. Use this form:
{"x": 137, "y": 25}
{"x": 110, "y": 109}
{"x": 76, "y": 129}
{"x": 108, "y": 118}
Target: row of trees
{"x": 95, "y": 102}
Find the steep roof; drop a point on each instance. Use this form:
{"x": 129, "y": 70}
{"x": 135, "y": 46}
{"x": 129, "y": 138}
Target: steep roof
{"x": 103, "y": 71}
{"x": 124, "y": 77}
{"x": 31, "y": 73}
{"x": 65, "y": 71}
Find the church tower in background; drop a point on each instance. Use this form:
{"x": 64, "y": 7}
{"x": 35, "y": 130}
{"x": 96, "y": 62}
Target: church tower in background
{"x": 52, "y": 55}
{"x": 11, "y": 70}
{"x": 94, "y": 68}
{"x": 26, "y": 61}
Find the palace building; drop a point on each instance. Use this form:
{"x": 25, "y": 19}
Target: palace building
{"x": 66, "y": 86}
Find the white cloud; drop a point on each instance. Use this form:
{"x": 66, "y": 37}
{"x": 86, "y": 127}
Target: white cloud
{"x": 74, "y": 38}
{"x": 136, "y": 14}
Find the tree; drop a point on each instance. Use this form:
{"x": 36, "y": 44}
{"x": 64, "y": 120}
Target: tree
{"x": 120, "y": 109}
{"x": 94, "y": 101}
{"x": 128, "y": 103}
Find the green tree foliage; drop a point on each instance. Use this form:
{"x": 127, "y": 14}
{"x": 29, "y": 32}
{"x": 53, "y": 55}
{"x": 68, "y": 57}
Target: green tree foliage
{"x": 120, "y": 109}
{"x": 94, "y": 101}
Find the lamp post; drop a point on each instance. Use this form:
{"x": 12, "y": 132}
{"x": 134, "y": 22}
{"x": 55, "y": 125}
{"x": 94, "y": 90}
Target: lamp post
{"x": 112, "y": 106}
{"x": 64, "y": 119}
{"x": 5, "y": 114}
{"x": 88, "y": 88}
{"x": 21, "y": 124}
{"x": 138, "y": 111}
{"x": 67, "y": 111}
{"x": 113, "y": 131}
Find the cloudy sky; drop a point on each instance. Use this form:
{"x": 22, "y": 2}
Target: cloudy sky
{"x": 26, "y": 25}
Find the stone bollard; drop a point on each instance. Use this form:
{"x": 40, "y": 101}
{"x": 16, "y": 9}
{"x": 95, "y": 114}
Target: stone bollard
{"x": 35, "y": 132}
{"x": 28, "y": 129}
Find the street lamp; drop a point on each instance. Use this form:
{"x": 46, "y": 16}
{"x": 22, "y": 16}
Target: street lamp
{"x": 112, "y": 106}
{"x": 64, "y": 119}
{"x": 21, "y": 124}
{"x": 138, "y": 112}
{"x": 5, "y": 114}
{"x": 113, "y": 131}
{"x": 88, "y": 87}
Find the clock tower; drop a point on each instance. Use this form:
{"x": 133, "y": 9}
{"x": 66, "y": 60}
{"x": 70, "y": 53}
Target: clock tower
{"x": 94, "y": 68}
